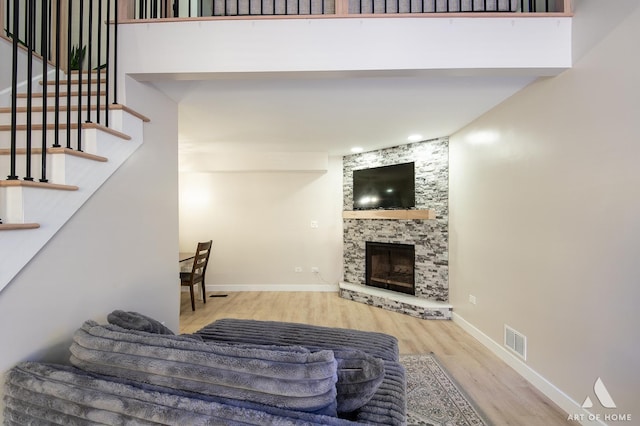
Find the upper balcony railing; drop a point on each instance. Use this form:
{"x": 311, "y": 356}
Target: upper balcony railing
{"x": 216, "y": 9}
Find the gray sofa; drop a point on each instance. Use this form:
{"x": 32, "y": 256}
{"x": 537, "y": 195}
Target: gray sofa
{"x": 133, "y": 371}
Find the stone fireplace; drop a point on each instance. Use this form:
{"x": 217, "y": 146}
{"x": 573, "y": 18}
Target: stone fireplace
{"x": 429, "y": 237}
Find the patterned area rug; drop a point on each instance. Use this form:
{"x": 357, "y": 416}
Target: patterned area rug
{"x": 433, "y": 399}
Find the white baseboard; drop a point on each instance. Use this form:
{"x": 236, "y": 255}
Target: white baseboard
{"x": 567, "y": 404}
{"x": 274, "y": 287}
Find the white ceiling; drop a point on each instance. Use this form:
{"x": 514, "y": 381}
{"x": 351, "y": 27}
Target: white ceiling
{"x": 329, "y": 113}
{"x": 332, "y": 112}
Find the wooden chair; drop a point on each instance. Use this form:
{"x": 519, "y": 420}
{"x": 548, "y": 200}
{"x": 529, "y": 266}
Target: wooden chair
{"x": 196, "y": 276}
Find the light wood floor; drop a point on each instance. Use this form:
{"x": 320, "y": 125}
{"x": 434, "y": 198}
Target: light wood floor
{"x": 503, "y": 395}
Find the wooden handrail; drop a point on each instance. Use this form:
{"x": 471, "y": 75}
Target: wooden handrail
{"x": 3, "y": 7}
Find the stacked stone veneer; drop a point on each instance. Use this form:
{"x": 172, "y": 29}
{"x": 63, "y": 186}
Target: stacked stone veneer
{"x": 430, "y": 237}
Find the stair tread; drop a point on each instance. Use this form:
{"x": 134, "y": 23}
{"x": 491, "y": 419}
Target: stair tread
{"x": 7, "y": 110}
{"x": 57, "y": 150}
{"x": 64, "y": 81}
{"x": 63, "y": 126}
{"x": 35, "y": 184}
{"x": 18, "y": 226}
{"x": 62, "y": 94}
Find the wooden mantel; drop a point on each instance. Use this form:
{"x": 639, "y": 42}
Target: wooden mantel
{"x": 390, "y": 214}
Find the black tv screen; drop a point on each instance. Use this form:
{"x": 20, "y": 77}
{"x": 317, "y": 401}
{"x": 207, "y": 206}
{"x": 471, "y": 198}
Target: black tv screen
{"x": 388, "y": 187}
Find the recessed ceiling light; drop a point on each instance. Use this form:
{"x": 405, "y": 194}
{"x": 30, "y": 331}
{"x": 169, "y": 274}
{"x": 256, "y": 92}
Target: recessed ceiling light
{"x": 357, "y": 149}
{"x": 414, "y": 138}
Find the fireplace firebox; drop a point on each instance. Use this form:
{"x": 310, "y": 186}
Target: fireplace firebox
{"x": 391, "y": 266}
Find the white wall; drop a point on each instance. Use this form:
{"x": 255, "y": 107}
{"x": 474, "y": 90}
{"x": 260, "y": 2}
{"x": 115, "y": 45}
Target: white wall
{"x": 544, "y": 229}
{"x": 119, "y": 251}
{"x": 260, "y": 224}
{"x": 541, "y": 45}
{"x": 6, "y": 53}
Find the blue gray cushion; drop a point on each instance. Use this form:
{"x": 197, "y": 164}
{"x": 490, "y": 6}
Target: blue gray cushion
{"x": 137, "y": 321}
{"x": 289, "y": 377}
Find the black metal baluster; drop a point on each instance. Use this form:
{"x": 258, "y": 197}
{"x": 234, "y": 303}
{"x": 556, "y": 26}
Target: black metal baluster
{"x": 29, "y": 39}
{"x": 56, "y": 135}
{"x": 98, "y": 83}
{"x": 69, "y": 18}
{"x": 14, "y": 88}
{"x": 106, "y": 66}
{"x": 89, "y": 55}
{"x": 49, "y": 29}
{"x": 7, "y": 14}
{"x": 26, "y": 21}
{"x": 45, "y": 80}
{"x": 80, "y": 61}
{"x": 115, "y": 55}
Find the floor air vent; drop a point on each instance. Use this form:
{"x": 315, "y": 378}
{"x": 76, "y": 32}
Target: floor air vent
{"x": 515, "y": 341}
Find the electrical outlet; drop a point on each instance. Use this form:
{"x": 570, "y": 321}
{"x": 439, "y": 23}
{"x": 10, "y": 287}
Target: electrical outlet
{"x": 314, "y": 224}
{"x": 297, "y": 269}
{"x": 315, "y": 270}
{"x": 472, "y": 299}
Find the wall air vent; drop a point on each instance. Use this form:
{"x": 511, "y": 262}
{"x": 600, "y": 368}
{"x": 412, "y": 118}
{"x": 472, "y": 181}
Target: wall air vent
{"x": 515, "y": 341}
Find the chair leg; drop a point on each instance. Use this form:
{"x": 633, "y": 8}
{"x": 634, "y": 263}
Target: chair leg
{"x": 204, "y": 294}
{"x": 193, "y": 302}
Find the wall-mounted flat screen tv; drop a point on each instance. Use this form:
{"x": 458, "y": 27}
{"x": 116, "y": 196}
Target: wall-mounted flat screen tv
{"x": 388, "y": 187}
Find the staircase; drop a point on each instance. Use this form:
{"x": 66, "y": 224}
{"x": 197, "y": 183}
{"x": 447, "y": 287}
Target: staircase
{"x": 62, "y": 135}
{"x": 33, "y": 211}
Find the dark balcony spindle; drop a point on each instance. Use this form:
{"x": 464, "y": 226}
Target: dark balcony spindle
{"x": 30, "y": 39}
{"x": 89, "y": 55}
{"x": 14, "y": 90}
{"x": 56, "y": 135}
{"x": 44, "y": 32}
{"x": 80, "y": 61}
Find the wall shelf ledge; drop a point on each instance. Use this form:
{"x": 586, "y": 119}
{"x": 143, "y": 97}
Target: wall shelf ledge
{"x": 412, "y": 214}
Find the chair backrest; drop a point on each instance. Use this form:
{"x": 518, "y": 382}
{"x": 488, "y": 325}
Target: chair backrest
{"x": 200, "y": 261}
